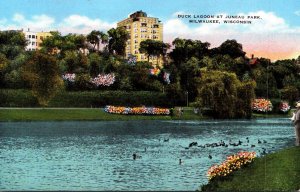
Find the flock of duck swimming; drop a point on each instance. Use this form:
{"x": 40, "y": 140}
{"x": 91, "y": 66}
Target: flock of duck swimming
{"x": 223, "y": 144}
{"x": 217, "y": 144}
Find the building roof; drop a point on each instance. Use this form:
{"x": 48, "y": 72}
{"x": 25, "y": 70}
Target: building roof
{"x": 138, "y": 14}
{"x": 253, "y": 61}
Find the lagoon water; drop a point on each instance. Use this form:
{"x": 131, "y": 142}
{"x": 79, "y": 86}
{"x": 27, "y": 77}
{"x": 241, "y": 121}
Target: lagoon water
{"x": 90, "y": 155}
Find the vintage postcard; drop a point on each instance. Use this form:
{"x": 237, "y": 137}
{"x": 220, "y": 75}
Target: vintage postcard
{"x": 141, "y": 95}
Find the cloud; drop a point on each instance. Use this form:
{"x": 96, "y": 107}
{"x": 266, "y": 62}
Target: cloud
{"x": 35, "y": 23}
{"x": 71, "y": 24}
{"x": 83, "y": 24}
{"x": 297, "y": 13}
{"x": 270, "y": 36}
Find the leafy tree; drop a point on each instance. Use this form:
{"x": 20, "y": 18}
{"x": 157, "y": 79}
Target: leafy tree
{"x": 12, "y": 43}
{"x": 3, "y": 65}
{"x": 123, "y": 76}
{"x": 42, "y": 73}
{"x": 265, "y": 84}
{"x": 82, "y": 82}
{"x": 219, "y": 91}
{"x": 94, "y": 60}
{"x": 117, "y": 41}
{"x": 232, "y": 48}
{"x": 190, "y": 72}
{"x": 58, "y": 44}
{"x": 245, "y": 95}
{"x": 75, "y": 62}
{"x": 140, "y": 75}
{"x": 73, "y": 42}
{"x": 153, "y": 48}
{"x": 290, "y": 80}
{"x": 184, "y": 49}
{"x": 53, "y": 44}
{"x": 13, "y": 79}
{"x": 95, "y": 38}
{"x": 290, "y": 93}
{"x": 226, "y": 63}
{"x": 282, "y": 69}
{"x": 175, "y": 94}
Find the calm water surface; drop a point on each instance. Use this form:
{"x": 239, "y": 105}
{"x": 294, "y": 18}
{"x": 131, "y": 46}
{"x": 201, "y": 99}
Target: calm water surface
{"x": 98, "y": 155}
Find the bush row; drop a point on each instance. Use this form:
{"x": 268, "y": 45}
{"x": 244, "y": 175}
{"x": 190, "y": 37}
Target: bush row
{"x": 24, "y": 98}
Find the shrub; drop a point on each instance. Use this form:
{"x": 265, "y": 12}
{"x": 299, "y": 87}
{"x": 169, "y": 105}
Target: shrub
{"x": 24, "y": 98}
{"x": 17, "y": 98}
{"x": 262, "y": 105}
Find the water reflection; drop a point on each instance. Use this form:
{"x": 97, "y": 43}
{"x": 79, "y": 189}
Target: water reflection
{"x": 98, "y": 155}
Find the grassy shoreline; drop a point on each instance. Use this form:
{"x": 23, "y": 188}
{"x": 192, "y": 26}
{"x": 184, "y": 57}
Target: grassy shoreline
{"x": 97, "y": 114}
{"x": 82, "y": 114}
{"x": 279, "y": 171}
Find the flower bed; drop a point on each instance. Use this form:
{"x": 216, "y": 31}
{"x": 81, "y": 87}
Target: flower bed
{"x": 284, "y": 106}
{"x": 69, "y": 77}
{"x": 104, "y": 79}
{"x": 154, "y": 71}
{"x": 232, "y": 163}
{"x": 137, "y": 110}
{"x": 100, "y": 80}
{"x": 261, "y": 105}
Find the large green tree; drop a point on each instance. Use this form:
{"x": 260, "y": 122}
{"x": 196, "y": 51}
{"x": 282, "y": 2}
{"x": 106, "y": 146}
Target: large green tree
{"x": 153, "y": 48}
{"x": 231, "y": 48}
{"x": 53, "y": 43}
{"x": 42, "y": 73}
{"x": 117, "y": 40}
{"x": 224, "y": 94}
{"x": 12, "y": 43}
{"x": 184, "y": 49}
{"x": 95, "y": 38}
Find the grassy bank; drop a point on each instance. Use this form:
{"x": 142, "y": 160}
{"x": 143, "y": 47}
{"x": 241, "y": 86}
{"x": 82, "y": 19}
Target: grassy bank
{"x": 68, "y": 114}
{"x": 279, "y": 171}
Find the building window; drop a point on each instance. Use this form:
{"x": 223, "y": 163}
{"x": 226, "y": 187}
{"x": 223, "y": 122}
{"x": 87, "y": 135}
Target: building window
{"x": 33, "y": 43}
{"x": 29, "y": 36}
{"x": 33, "y": 36}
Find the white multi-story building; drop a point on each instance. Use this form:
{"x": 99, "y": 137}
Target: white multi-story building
{"x": 31, "y": 38}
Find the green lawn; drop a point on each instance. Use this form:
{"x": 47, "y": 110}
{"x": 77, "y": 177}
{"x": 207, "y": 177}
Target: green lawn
{"x": 278, "y": 171}
{"x": 47, "y": 114}
{"x": 65, "y": 114}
